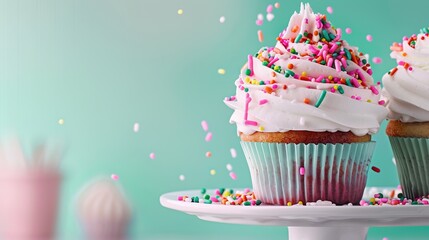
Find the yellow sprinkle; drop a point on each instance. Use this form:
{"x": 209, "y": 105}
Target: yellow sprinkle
{"x": 304, "y": 74}
{"x": 289, "y": 204}
{"x": 61, "y": 121}
{"x": 212, "y": 172}
{"x": 255, "y": 82}
{"x": 300, "y": 203}
{"x": 261, "y": 128}
{"x": 247, "y": 79}
{"x": 369, "y": 100}
{"x": 330, "y": 77}
{"x": 180, "y": 11}
{"x": 336, "y": 87}
{"x": 372, "y": 199}
{"x": 221, "y": 71}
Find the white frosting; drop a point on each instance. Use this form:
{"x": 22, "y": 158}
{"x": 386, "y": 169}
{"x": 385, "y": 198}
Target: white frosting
{"x": 406, "y": 92}
{"x": 103, "y": 200}
{"x": 356, "y": 109}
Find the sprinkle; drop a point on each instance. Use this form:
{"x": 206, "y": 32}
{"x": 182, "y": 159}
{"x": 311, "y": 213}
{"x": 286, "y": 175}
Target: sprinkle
{"x": 222, "y": 19}
{"x": 260, "y": 36}
{"x": 393, "y": 71}
{"x": 259, "y": 22}
{"x": 307, "y": 101}
{"x": 229, "y": 167}
{"x": 337, "y": 65}
{"x": 348, "y": 30}
{"x": 375, "y": 169}
{"x": 209, "y": 137}
{"x": 233, "y": 153}
{"x": 321, "y": 98}
{"x": 295, "y": 28}
{"x": 381, "y": 102}
{"x": 182, "y": 177}
{"x": 212, "y": 172}
{"x": 246, "y": 106}
{"x": 205, "y": 125}
{"x": 277, "y": 5}
{"x": 270, "y": 17}
{"x": 271, "y": 62}
{"x": 180, "y": 11}
{"x": 376, "y": 60}
{"x": 152, "y": 155}
{"x": 355, "y": 83}
{"x": 374, "y": 90}
{"x": 298, "y": 38}
{"x": 340, "y": 89}
{"x": 329, "y": 9}
{"x": 260, "y": 16}
{"x": 61, "y": 121}
{"x": 136, "y": 127}
{"x": 221, "y": 71}
{"x": 208, "y": 154}
{"x": 269, "y": 8}
{"x": 250, "y": 64}
{"x": 251, "y": 123}
{"x": 233, "y": 175}
{"x": 301, "y": 171}
{"x": 369, "y": 38}
{"x": 114, "y": 177}
{"x": 263, "y": 101}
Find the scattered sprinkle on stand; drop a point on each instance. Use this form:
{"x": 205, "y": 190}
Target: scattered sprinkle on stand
{"x": 114, "y": 177}
{"x": 152, "y": 156}
{"x": 136, "y": 127}
{"x": 223, "y": 196}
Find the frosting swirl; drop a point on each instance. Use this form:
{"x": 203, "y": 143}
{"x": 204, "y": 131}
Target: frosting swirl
{"x": 311, "y": 80}
{"x": 406, "y": 86}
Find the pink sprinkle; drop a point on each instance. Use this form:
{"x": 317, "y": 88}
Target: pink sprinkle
{"x": 337, "y": 65}
{"x": 204, "y": 125}
{"x": 180, "y": 198}
{"x": 152, "y": 156}
{"x": 217, "y": 192}
{"x": 374, "y": 90}
{"x": 214, "y": 199}
{"x": 233, "y": 175}
{"x": 251, "y": 123}
{"x": 233, "y": 153}
{"x": 401, "y": 63}
{"x": 369, "y": 38}
{"x": 330, "y": 62}
{"x": 348, "y": 30}
{"x": 301, "y": 171}
{"x": 270, "y": 8}
{"x": 355, "y": 83}
{"x": 277, "y": 5}
{"x": 136, "y": 127}
{"x": 275, "y": 86}
{"x": 115, "y": 177}
{"x": 381, "y": 102}
{"x": 271, "y": 62}
{"x": 410, "y": 69}
{"x": 329, "y": 10}
{"x": 333, "y": 90}
{"x": 246, "y": 106}
{"x": 263, "y": 101}
{"x": 208, "y": 154}
{"x": 385, "y": 238}
{"x": 250, "y": 64}
{"x": 362, "y": 202}
{"x": 376, "y": 60}
{"x": 259, "y": 22}
{"x": 208, "y": 137}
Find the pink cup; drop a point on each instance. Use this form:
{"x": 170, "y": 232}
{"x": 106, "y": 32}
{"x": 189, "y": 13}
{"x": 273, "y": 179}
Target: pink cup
{"x": 28, "y": 203}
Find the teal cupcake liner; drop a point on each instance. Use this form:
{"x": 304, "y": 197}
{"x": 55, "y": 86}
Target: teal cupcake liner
{"x": 287, "y": 172}
{"x": 412, "y": 163}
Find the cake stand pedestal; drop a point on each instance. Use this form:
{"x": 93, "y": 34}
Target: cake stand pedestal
{"x": 305, "y": 222}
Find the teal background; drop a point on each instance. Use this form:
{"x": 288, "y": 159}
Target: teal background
{"x": 104, "y": 65}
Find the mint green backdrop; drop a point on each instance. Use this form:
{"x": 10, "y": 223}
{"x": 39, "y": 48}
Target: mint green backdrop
{"x": 104, "y": 65}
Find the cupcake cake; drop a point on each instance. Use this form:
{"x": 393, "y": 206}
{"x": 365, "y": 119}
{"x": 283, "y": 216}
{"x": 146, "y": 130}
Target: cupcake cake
{"x": 104, "y": 211}
{"x": 305, "y": 111}
{"x": 406, "y": 92}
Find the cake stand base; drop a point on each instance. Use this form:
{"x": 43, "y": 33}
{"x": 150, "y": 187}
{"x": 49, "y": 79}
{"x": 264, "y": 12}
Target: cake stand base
{"x": 327, "y": 233}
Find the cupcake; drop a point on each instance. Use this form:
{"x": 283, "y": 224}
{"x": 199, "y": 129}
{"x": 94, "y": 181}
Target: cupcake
{"x": 104, "y": 211}
{"x": 406, "y": 89}
{"x": 305, "y": 111}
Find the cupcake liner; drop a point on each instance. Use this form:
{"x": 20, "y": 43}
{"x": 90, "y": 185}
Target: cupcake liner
{"x": 332, "y": 172}
{"x": 412, "y": 163}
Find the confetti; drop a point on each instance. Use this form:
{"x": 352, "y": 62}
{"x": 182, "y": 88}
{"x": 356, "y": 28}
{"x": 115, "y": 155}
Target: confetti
{"x": 229, "y": 167}
{"x": 348, "y": 30}
{"x": 270, "y": 17}
{"x": 212, "y": 172}
{"x": 375, "y": 169}
{"x": 180, "y": 11}
{"x": 233, "y": 153}
{"x": 221, "y": 71}
{"x": 136, "y": 127}
{"x": 61, "y": 121}
{"x": 204, "y": 125}
{"x": 182, "y": 177}
{"x": 209, "y": 137}
{"x": 277, "y": 5}
{"x": 233, "y": 175}
{"x": 115, "y": 177}
{"x": 260, "y": 36}
{"x": 208, "y": 154}
{"x": 222, "y": 19}
{"x": 376, "y": 60}
{"x": 329, "y": 9}
{"x": 152, "y": 156}
{"x": 269, "y": 8}
{"x": 369, "y": 38}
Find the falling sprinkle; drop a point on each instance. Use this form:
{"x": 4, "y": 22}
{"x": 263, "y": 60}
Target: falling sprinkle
{"x": 204, "y": 125}
{"x": 329, "y": 9}
{"x": 269, "y": 8}
{"x": 376, "y": 60}
{"x": 259, "y": 22}
{"x": 233, "y": 175}
{"x": 136, "y": 127}
{"x": 152, "y": 156}
{"x": 270, "y": 17}
{"x": 375, "y": 169}
{"x": 114, "y": 177}
{"x": 229, "y": 167}
{"x": 212, "y": 172}
{"x": 348, "y": 30}
{"x": 222, "y": 19}
{"x": 180, "y": 11}
{"x": 369, "y": 38}
{"x": 301, "y": 171}
{"x": 208, "y": 137}
{"x": 208, "y": 154}
{"x": 385, "y": 238}
{"x": 260, "y": 16}
{"x": 61, "y": 121}
{"x": 221, "y": 71}
{"x": 277, "y": 5}
{"x": 182, "y": 177}
{"x": 233, "y": 153}
{"x": 260, "y": 36}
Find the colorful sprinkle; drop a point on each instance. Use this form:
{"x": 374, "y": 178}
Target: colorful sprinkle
{"x": 114, "y": 177}
{"x": 221, "y": 71}
{"x": 233, "y": 175}
{"x": 212, "y": 172}
{"x": 136, "y": 127}
{"x": 222, "y": 19}
{"x": 329, "y": 9}
{"x": 263, "y": 101}
{"x": 233, "y": 152}
{"x": 205, "y": 125}
{"x": 369, "y": 38}
{"x": 321, "y": 98}
{"x": 277, "y": 5}
{"x": 259, "y": 22}
{"x": 376, "y": 60}
{"x": 260, "y": 36}
{"x": 152, "y": 156}
{"x": 182, "y": 177}
{"x": 250, "y": 64}
{"x": 180, "y": 11}
{"x": 301, "y": 171}
{"x": 269, "y": 8}
{"x": 61, "y": 121}
{"x": 229, "y": 167}
{"x": 393, "y": 71}
{"x": 270, "y": 17}
{"x": 208, "y": 154}
{"x": 209, "y": 136}
{"x": 375, "y": 169}
{"x": 348, "y": 30}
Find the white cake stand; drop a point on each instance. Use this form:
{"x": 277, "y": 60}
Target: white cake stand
{"x": 305, "y": 222}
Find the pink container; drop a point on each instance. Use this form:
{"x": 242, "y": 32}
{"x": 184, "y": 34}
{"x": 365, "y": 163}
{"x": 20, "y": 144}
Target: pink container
{"x": 28, "y": 204}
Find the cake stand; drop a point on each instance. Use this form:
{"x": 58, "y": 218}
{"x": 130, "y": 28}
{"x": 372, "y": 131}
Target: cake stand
{"x": 305, "y": 222}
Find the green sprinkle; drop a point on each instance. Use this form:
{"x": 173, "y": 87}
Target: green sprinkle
{"x": 348, "y": 55}
{"x": 321, "y": 98}
{"x": 246, "y": 89}
{"x": 325, "y": 35}
{"x": 203, "y": 190}
{"x": 334, "y": 55}
{"x": 331, "y": 36}
{"x": 293, "y": 51}
{"x": 298, "y": 38}
{"x": 305, "y": 34}
{"x": 196, "y": 199}
{"x": 319, "y": 47}
{"x": 323, "y": 81}
{"x": 290, "y": 72}
{"x": 261, "y": 83}
{"x": 323, "y": 62}
{"x": 414, "y": 203}
{"x": 340, "y": 89}
{"x": 258, "y": 202}
{"x": 246, "y": 203}
{"x": 380, "y": 195}
{"x": 287, "y": 75}
{"x": 248, "y": 72}
{"x": 206, "y": 196}
{"x": 400, "y": 195}
{"x": 338, "y": 43}
{"x": 208, "y": 201}
{"x": 364, "y": 61}
{"x": 348, "y": 82}
{"x": 307, "y": 42}
{"x": 265, "y": 63}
